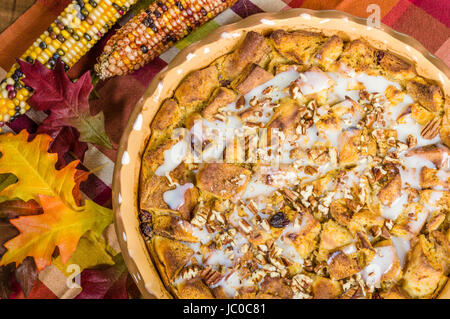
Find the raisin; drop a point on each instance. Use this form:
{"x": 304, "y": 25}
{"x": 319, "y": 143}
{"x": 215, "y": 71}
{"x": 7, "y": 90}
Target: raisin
{"x": 145, "y": 216}
{"x": 279, "y": 220}
{"x": 146, "y": 229}
{"x": 380, "y": 55}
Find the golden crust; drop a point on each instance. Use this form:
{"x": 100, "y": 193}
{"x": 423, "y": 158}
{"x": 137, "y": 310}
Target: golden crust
{"x": 428, "y": 95}
{"x": 298, "y": 46}
{"x": 423, "y": 275}
{"x": 220, "y": 98}
{"x": 170, "y": 256}
{"x": 391, "y": 185}
{"x": 254, "y": 49}
{"x": 223, "y": 180}
{"x": 324, "y": 288}
{"x": 153, "y": 187}
{"x": 197, "y": 87}
{"x": 275, "y": 287}
{"x": 329, "y": 52}
{"x": 254, "y": 77}
{"x": 333, "y": 236}
{"x": 285, "y": 118}
{"x": 359, "y": 55}
{"x": 395, "y": 67}
{"x": 173, "y": 227}
{"x": 305, "y": 241}
{"x": 193, "y": 289}
{"x": 341, "y": 266}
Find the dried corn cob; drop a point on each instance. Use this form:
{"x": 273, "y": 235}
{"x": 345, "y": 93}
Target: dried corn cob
{"x": 69, "y": 37}
{"x": 153, "y": 31}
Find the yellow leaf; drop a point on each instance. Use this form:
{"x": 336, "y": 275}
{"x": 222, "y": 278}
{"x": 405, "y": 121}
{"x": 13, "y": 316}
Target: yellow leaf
{"x": 35, "y": 169}
{"x": 59, "y": 225}
{"x": 91, "y": 251}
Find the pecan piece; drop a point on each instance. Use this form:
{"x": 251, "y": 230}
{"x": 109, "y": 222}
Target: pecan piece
{"x": 431, "y": 129}
{"x": 290, "y": 195}
{"x": 210, "y": 276}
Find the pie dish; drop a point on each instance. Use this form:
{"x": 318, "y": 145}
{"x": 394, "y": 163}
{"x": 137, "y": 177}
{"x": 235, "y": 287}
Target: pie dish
{"x": 292, "y": 155}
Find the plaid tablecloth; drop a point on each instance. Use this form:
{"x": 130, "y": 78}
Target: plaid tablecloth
{"x": 426, "y": 20}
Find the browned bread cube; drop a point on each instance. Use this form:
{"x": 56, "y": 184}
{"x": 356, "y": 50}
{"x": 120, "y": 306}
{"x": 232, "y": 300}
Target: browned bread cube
{"x": 359, "y": 55}
{"x": 170, "y": 256}
{"x": 254, "y": 49}
{"x": 428, "y": 95}
{"x": 423, "y": 274}
{"x": 254, "y": 77}
{"x": 328, "y": 52}
{"x": 173, "y": 227}
{"x": 223, "y": 180}
{"x": 193, "y": 289}
{"x": 394, "y": 66}
{"x": 324, "y": 288}
{"x": 332, "y": 236}
{"x": 298, "y": 46}
{"x": 197, "y": 87}
{"x": 221, "y": 98}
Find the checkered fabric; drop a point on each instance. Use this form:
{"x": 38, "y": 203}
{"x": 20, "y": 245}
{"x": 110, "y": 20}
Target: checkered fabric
{"x": 426, "y": 20}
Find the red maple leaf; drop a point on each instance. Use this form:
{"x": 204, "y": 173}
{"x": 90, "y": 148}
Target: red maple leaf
{"x": 65, "y": 142}
{"x": 67, "y": 101}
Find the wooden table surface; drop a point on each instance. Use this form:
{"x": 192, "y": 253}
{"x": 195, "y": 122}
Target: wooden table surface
{"x": 10, "y": 10}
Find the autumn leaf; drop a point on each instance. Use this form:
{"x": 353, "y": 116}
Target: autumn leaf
{"x": 6, "y": 180}
{"x": 68, "y": 102}
{"x": 15, "y": 208}
{"x": 35, "y": 169}
{"x": 110, "y": 283}
{"x": 26, "y": 275}
{"x": 59, "y": 226}
{"x": 65, "y": 142}
{"x": 5, "y": 273}
{"x": 91, "y": 252}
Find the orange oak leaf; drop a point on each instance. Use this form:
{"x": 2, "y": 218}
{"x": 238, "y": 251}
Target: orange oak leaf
{"x": 35, "y": 169}
{"x": 59, "y": 226}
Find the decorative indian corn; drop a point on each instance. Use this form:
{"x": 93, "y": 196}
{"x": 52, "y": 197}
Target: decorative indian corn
{"x": 153, "y": 31}
{"x": 69, "y": 37}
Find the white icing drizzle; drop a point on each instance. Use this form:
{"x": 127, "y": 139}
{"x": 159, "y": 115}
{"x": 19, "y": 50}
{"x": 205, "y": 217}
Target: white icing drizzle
{"x": 314, "y": 81}
{"x": 402, "y": 247}
{"x": 172, "y": 158}
{"x": 380, "y": 265}
{"x": 175, "y": 197}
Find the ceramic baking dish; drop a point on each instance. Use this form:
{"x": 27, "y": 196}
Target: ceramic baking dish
{"x": 201, "y": 54}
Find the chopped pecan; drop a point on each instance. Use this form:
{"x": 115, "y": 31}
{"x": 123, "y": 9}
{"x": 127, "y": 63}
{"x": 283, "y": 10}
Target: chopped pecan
{"x": 310, "y": 170}
{"x": 363, "y": 241}
{"x": 385, "y": 232}
{"x": 190, "y": 272}
{"x": 245, "y": 226}
{"x": 290, "y": 195}
{"x": 240, "y": 102}
{"x": 431, "y": 129}
{"x": 411, "y": 141}
{"x": 210, "y": 276}
{"x": 252, "y": 207}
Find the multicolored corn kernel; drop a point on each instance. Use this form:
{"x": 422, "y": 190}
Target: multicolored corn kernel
{"x": 69, "y": 37}
{"x": 153, "y": 31}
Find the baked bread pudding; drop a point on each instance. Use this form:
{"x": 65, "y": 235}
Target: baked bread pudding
{"x": 300, "y": 165}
